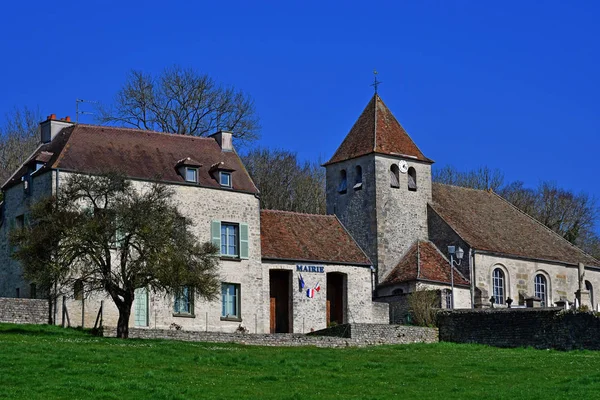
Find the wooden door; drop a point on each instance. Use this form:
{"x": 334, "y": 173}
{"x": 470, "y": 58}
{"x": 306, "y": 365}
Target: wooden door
{"x": 273, "y": 314}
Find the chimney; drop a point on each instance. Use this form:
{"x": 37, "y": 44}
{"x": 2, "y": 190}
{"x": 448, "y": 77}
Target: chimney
{"x": 51, "y": 127}
{"x": 225, "y": 140}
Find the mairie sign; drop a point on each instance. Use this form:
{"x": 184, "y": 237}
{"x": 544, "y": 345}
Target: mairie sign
{"x": 310, "y": 268}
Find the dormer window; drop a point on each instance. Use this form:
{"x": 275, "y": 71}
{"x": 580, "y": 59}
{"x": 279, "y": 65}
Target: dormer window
{"x": 38, "y": 166}
{"x": 191, "y": 174}
{"x": 225, "y": 178}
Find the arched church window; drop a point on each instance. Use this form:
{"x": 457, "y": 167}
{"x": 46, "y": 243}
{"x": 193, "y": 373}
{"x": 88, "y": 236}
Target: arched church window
{"x": 412, "y": 179}
{"x": 394, "y": 176}
{"x": 358, "y": 178}
{"x": 498, "y": 284}
{"x": 541, "y": 288}
{"x": 590, "y": 288}
{"x": 343, "y": 182}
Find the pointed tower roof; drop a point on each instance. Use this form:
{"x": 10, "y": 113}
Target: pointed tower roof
{"x": 377, "y": 131}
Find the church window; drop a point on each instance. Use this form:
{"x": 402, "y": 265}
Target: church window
{"x": 394, "y": 176}
{"x": 343, "y": 182}
{"x": 412, "y": 179}
{"x": 590, "y": 288}
{"x": 498, "y": 286}
{"x": 540, "y": 288}
{"x": 358, "y": 178}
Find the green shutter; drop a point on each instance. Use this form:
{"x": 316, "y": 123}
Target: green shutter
{"x": 215, "y": 228}
{"x": 244, "y": 241}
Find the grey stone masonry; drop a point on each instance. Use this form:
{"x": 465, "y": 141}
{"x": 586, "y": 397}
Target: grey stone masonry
{"x": 362, "y": 335}
{"x": 23, "y": 311}
{"x": 542, "y": 328}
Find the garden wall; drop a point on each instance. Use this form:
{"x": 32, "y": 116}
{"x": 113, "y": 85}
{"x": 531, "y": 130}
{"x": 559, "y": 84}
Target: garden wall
{"x": 356, "y": 335}
{"x": 547, "y": 328}
{"x": 23, "y": 311}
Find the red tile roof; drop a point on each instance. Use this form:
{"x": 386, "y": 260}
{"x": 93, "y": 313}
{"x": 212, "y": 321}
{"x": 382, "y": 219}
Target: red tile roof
{"x": 293, "y": 236}
{"x": 139, "y": 154}
{"x": 487, "y": 222}
{"x": 423, "y": 261}
{"x": 377, "y": 131}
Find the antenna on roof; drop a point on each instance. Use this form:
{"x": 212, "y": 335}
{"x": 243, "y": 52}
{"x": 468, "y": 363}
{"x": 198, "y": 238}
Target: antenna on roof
{"x": 77, "y": 112}
{"x": 375, "y": 82}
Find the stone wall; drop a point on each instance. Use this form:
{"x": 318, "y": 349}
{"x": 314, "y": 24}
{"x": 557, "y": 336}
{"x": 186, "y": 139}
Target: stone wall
{"x": 23, "y": 311}
{"x": 540, "y": 328}
{"x": 358, "y": 335}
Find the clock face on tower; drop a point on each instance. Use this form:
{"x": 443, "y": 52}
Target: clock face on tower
{"x": 403, "y": 166}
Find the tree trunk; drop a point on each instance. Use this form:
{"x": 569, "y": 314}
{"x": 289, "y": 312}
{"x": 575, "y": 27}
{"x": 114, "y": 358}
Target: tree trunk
{"x": 123, "y": 323}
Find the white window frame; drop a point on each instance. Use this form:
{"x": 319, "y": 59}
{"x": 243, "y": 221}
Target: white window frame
{"x": 225, "y": 174}
{"x": 226, "y": 239}
{"x": 499, "y": 286}
{"x": 540, "y": 288}
{"x": 183, "y": 296}
{"x": 194, "y": 171}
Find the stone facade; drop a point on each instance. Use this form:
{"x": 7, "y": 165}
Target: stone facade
{"x": 547, "y": 328}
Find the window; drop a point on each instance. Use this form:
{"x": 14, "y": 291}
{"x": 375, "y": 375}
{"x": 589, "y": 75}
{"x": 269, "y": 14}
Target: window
{"x": 184, "y": 301}
{"x": 191, "y": 175}
{"x": 78, "y": 289}
{"x": 230, "y": 297}
{"x": 343, "y": 182}
{"x": 358, "y": 178}
{"x": 229, "y": 240}
{"x": 412, "y": 179}
{"x": 590, "y": 288}
{"x": 394, "y": 176}
{"x": 447, "y": 297}
{"x": 498, "y": 286}
{"x": 225, "y": 179}
{"x": 540, "y": 288}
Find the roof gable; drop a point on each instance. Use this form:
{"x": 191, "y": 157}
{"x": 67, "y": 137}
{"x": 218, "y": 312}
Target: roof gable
{"x": 487, "y": 222}
{"x": 423, "y": 261}
{"x": 308, "y": 237}
{"x": 377, "y": 131}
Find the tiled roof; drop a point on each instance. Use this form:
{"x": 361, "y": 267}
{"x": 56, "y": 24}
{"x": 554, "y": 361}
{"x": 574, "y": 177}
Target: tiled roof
{"x": 487, "y": 222}
{"x": 138, "y": 154}
{"x": 287, "y": 235}
{"x": 377, "y": 131}
{"x": 423, "y": 261}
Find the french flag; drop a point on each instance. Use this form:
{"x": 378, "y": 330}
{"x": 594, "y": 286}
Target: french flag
{"x": 318, "y": 287}
{"x": 310, "y": 293}
{"x": 301, "y": 282}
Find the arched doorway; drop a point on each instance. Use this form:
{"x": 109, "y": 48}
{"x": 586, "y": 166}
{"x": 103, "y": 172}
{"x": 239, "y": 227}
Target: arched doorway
{"x": 336, "y": 298}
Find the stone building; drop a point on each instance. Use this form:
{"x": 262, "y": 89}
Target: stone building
{"x": 386, "y": 234}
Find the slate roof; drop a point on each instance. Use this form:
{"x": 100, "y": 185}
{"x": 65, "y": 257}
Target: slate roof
{"x": 294, "y": 236}
{"x": 423, "y": 261}
{"x": 377, "y": 131}
{"x": 487, "y": 222}
{"x": 138, "y": 154}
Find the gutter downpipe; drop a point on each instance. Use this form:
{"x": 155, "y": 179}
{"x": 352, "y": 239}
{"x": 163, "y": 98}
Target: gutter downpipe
{"x": 472, "y": 273}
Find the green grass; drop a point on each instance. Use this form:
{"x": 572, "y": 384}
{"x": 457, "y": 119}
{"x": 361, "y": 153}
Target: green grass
{"x": 41, "y": 362}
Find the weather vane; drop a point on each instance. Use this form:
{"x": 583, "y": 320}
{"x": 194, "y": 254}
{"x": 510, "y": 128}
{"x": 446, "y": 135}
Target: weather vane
{"x": 376, "y": 82}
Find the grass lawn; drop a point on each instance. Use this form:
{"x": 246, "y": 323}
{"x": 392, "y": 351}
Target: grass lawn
{"x": 41, "y": 362}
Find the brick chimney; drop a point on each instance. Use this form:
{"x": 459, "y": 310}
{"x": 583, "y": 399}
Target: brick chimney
{"x": 225, "y": 140}
{"x": 52, "y": 126}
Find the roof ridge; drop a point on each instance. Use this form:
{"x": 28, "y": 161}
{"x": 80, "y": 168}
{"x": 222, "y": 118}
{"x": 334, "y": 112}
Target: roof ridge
{"x": 463, "y": 187}
{"x": 544, "y": 226}
{"x": 375, "y": 97}
{"x": 170, "y": 134}
{"x": 297, "y": 213}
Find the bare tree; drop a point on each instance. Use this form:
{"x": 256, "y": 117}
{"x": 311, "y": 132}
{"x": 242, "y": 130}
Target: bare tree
{"x": 482, "y": 178}
{"x": 286, "y": 184}
{"x": 182, "y": 101}
{"x": 18, "y": 138}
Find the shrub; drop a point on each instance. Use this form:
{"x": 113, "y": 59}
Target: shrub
{"x": 424, "y": 305}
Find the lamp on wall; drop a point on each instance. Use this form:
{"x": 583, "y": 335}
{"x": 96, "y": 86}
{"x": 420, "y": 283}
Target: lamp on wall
{"x": 458, "y": 253}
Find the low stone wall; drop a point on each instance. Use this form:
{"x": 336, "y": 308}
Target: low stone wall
{"x": 364, "y": 335}
{"x": 546, "y": 328}
{"x": 23, "y": 311}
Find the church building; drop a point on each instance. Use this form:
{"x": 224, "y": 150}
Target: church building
{"x": 387, "y": 233}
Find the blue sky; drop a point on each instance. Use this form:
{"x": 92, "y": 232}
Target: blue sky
{"x": 511, "y": 85}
